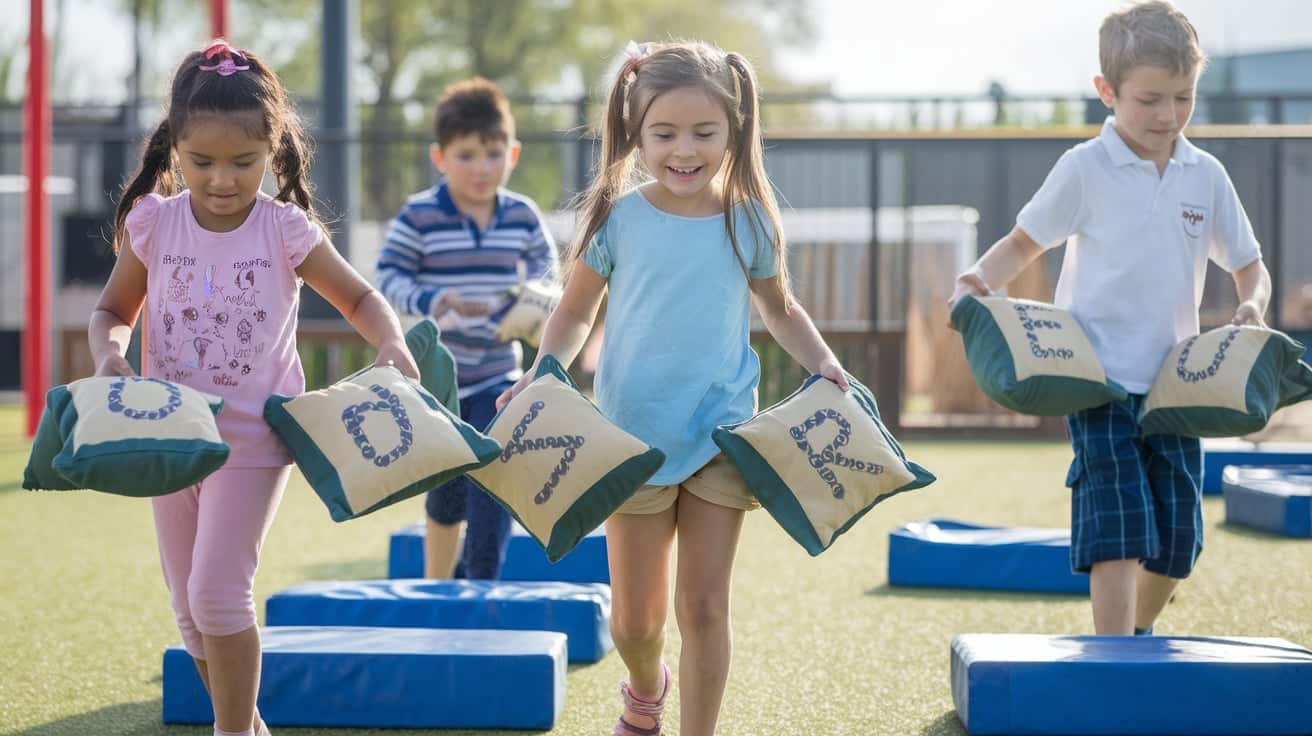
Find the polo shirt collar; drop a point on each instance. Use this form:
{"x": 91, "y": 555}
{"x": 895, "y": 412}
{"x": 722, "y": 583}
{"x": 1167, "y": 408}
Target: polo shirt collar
{"x": 1121, "y": 155}
{"x": 448, "y": 206}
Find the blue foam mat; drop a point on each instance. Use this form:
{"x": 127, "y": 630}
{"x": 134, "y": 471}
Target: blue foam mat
{"x": 1110, "y": 685}
{"x": 1218, "y": 453}
{"x": 943, "y": 553}
{"x": 525, "y": 560}
{"x": 581, "y": 611}
{"x": 1276, "y": 500}
{"x": 391, "y": 678}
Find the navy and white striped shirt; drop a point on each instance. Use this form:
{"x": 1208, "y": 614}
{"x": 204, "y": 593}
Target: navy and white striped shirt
{"x": 433, "y": 247}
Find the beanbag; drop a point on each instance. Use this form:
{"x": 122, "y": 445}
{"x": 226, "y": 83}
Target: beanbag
{"x": 819, "y": 460}
{"x": 373, "y": 439}
{"x": 564, "y": 467}
{"x": 129, "y": 436}
{"x": 1225, "y": 383}
{"x": 527, "y": 314}
{"x": 1031, "y": 357}
{"x": 437, "y": 368}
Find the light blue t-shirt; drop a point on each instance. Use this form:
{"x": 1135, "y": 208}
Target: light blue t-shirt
{"x": 676, "y": 360}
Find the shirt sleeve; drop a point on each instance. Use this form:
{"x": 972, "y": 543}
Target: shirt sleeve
{"x": 398, "y": 265}
{"x": 1233, "y": 244}
{"x": 759, "y": 246}
{"x": 598, "y": 255}
{"x": 1052, "y": 214}
{"x": 140, "y": 225}
{"x": 299, "y": 235}
{"x": 540, "y": 258}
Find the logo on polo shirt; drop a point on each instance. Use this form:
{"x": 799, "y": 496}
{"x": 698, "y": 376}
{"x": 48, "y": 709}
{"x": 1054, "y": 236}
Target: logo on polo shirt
{"x": 1192, "y": 218}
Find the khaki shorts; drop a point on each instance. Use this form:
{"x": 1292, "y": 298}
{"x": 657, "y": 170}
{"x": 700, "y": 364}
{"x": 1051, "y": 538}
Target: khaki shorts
{"x": 718, "y": 482}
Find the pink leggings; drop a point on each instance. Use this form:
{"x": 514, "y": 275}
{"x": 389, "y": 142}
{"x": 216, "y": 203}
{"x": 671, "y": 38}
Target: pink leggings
{"x": 210, "y": 536}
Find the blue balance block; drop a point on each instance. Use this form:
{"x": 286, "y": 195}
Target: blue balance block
{"x": 942, "y": 553}
{"x": 1275, "y": 500}
{"x": 525, "y": 560}
{"x": 1218, "y": 453}
{"x": 1109, "y": 685}
{"x": 391, "y": 678}
{"x": 581, "y": 611}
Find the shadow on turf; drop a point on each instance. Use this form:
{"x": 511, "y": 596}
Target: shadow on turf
{"x": 124, "y": 719}
{"x": 903, "y": 591}
{"x": 945, "y": 725}
{"x": 143, "y": 719}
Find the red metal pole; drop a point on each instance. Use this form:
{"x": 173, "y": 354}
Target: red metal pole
{"x": 36, "y": 323}
{"x": 218, "y": 18}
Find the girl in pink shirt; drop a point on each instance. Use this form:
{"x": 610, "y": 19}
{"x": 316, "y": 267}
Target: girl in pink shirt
{"x": 218, "y": 267}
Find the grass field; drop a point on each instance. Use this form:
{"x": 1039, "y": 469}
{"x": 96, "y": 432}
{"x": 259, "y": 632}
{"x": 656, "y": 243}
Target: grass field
{"x": 823, "y": 646}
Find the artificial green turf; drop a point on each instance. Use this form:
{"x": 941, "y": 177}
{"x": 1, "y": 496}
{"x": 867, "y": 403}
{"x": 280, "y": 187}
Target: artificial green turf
{"x": 822, "y": 645}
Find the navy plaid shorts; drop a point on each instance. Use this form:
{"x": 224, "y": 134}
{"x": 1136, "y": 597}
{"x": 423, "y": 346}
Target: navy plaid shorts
{"x": 1133, "y": 497}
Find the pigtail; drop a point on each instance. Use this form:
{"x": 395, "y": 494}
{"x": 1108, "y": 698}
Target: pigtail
{"x": 155, "y": 174}
{"x": 746, "y": 182}
{"x": 291, "y": 167}
{"x": 618, "y": 140}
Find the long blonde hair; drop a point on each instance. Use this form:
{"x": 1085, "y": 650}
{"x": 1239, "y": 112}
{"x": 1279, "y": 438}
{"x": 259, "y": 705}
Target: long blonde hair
{"x": 729, "y": 80}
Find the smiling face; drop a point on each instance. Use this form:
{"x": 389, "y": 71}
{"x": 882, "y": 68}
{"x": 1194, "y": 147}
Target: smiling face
{"x": 683, "y": 142}
{"x": 222, "y": 166}
{"x": 1152, "y": 106}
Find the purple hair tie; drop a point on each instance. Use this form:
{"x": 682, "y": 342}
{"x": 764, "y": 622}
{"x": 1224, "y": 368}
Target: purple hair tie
{"x": 226, "y": 67}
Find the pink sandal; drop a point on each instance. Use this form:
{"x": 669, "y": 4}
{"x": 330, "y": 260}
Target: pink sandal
{"x": 650, "y": 708}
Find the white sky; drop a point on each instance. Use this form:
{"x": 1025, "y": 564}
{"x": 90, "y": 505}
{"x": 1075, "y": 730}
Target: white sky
{"x": 865, "y": 46}
{"x": 1035, "y": 46}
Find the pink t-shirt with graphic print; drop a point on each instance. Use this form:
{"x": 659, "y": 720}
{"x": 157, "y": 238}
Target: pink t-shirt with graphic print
{"x": 221, "y": 310}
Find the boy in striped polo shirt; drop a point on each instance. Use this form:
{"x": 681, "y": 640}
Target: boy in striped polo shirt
{"x": 452, "y": 253}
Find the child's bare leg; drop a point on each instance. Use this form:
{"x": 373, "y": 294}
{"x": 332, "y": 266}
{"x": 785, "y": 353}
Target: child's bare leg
{"x": 441, "y": 549}
{"x": 1112, "y": 592}
{"x": 1153, "y": 593}
{"x": 204, "y": 670}
{"x": 708, "y": 539}
{"x": 639, "y": 549}
{"x": 233, "y": 664}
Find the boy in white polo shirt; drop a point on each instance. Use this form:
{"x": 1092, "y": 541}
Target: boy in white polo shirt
{"x": 1141, "y": 210}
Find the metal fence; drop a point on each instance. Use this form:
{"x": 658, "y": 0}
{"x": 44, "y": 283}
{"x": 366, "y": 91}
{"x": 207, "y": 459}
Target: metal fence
{"x": 878, "y": 224}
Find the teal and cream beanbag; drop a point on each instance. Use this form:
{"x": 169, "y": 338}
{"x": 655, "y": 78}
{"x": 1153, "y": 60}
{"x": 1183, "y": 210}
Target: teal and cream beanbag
{"x": 1225, "y": 383}
{"x": 437, "y": 368}
{"x": 129, "y": 436}
{"x": 563, "y": 467}
{"x": 373, "y": 439}
{"x": 1031, "y": 357}
{"x": 527, "y": 314}
{"x": 819, "y": 460}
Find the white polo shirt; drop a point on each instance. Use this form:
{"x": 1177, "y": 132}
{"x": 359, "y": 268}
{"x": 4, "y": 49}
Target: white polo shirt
{"x": 1137, "y": 245}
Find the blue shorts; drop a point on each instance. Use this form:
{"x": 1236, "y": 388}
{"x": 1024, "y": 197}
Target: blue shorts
{"x": 460, "y": 499}
{"x": 1133, "y": 497}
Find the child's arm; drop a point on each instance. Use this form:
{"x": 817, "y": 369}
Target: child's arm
{"x": 539, "y": 255}
{"x": 793, "y": 330}
{"x": 116, "y": 311}
{"x": 398, "y": 280}
{"x": 568, "y": 326}
{"x": 998, "y": 266}
{"x": 328, "y": 273}
{"x": 1253, "y": 285}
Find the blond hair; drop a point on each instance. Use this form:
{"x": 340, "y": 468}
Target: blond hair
{"x": 1155, "y": 33}
{"x": 729, "y": 80}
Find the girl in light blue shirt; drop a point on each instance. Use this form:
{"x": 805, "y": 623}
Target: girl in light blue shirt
{"x": 681, "y": 227}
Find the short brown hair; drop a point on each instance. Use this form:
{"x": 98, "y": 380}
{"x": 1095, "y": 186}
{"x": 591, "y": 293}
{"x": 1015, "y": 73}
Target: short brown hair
{"x": 473, "y": 106}
{"x": 1154, "y": 33}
